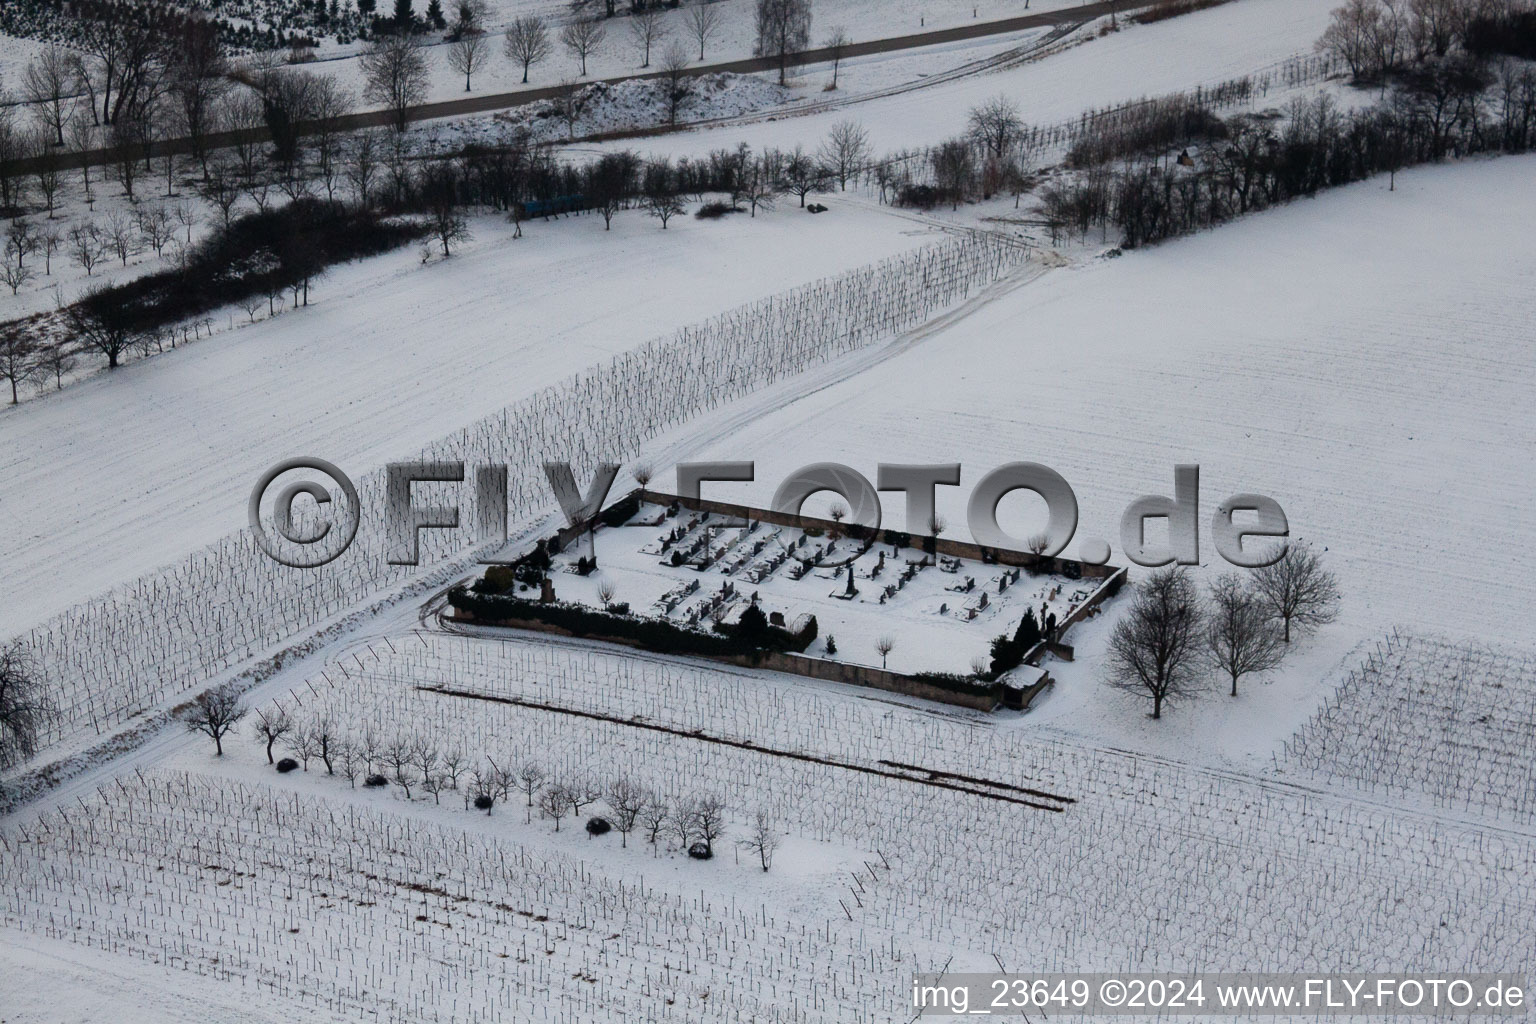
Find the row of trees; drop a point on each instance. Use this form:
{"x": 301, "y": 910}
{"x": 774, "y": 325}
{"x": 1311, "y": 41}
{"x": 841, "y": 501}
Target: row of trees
{"x": 1449, "y": 106}
{"x": 411, "y": 761}
{"x": 1377, "y": 38}
{"x": 1172, "y": 638}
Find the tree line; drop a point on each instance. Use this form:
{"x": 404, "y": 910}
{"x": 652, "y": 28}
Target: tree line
{"x": 414, "y": 761}
{"x": 1440, "y": 100}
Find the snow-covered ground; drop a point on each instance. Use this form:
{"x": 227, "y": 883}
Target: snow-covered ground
{"x": 133, "y": 469}
{"x": 1361, "y": 357}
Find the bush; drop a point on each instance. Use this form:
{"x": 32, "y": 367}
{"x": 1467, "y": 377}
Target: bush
{"x": 287, "y": 765}
{"x": 484, "y": 802}
{"x": 651, "y": 634}
{"x": 256, "y": 254}
{"x": 598, "y": 827}
{"x": 700, "y": 851}
{"x": 924, "y": 197}
{"x": 498, "y": 579}
{"x": 375, "y": 781}
{"x": 714, "y": 211}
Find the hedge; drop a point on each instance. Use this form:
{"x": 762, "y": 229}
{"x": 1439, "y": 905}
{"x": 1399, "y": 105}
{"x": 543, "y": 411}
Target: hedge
{"x": 651, "y": 634}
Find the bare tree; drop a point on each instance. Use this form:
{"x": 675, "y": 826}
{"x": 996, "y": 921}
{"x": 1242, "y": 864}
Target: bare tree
{"x": 400, "y": 756}
{"x": 953, "y": 168}
{"x": 803, "y": 174}
{"x": 708, "y": 815}
{"x": 583, "y": 791}
{"x": 14, "y": 273}
{"x": 758, "y": 183}
{"x": 527, "y": 42}
{"x": 272, "y": 727}
{"x": 18, "y": 354}
{"x": 883, "y": 647}
{"x": 1155, "y": 648}
{"x": 121, "y": 236}
{"x": 659, "y": 191}
{"x": 555, "y": 802}
{"x": 1240, "y": 635}
{"x": 606, "y": 591}
{"x": 215, "y": 712}
{"x": 703, "y": 20}
{"x": 156, "y": 226}
{"x": 681, "y": 822}
{"x": 303, "y": 742}
{"x": 85, "y": 246}
{"x": 349, "y": 757}
{"x": 581, "y": 38}
{"x": 645, "y": 28}
{"x": 846, "y": 151}
{"x": 469, "y": 53}
{"x": 99, "y": 319}
{"x": 25, "y": 705}
{"x": 395, "y": 70}
{"x": 363, "y": 169}
{"x": 1298, "y": 590}
{"x": 625, "y": 802}
{"x": 454, "y": 765}
{"x": 783, "y": 30}
{"x": 837, "y": 45}
{"x": 569, "y": 104}
{"x": 762, "y": 840}
{"x": 197, "y": 80}
{"x": 529, "y": 778}
{"x": 655, "y": 815}
{"x": 57, "y": 359}
{"x": 49, "y": 87}
{"x": 995, "y": 125}
{"x": 327, "y": 736}
{"x": 82, "y": 139}
{"x": 222, "y": 189}
{"x": 47, "y": 171}
{"x": 424, "y": 757}
{"x": 674, "y": 67}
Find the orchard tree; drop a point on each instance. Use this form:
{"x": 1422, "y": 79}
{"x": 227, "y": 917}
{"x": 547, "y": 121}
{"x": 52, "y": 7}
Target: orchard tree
{"x": 272, "y": 727}
{"x": 215, "y": 712}
{"x": 762, "y": 840}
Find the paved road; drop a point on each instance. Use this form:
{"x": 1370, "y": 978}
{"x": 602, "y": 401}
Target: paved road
{"x": 503, "y": 100}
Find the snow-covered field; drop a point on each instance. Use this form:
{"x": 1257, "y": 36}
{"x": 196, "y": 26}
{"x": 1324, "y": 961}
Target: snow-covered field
{"x": 390, "y": 354}
{"x": 1363, "y": 357}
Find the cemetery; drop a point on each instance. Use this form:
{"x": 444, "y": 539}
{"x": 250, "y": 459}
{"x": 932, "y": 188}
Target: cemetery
{"x": 926, "y": 616}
